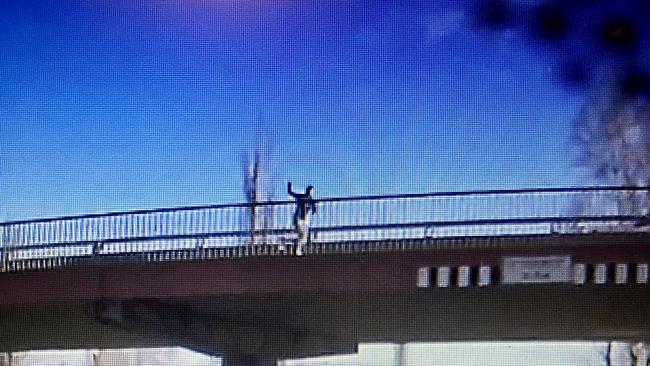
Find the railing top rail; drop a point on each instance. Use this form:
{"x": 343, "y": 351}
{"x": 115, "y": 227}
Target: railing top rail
{"x": 419, "y": 224}
{"x": 333, "y": 199}
{"x": 486, "y": 192}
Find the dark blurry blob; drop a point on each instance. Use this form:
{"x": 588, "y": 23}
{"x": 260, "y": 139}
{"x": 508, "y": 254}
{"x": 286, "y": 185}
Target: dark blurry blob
{"x": 551, "y": 22}
{"x": 619, "y": 34}
{"x": 587, "y": 36}
{"x": 603, "y": 48}
{"x": 575, "y": 73}
{"x": 493, "y": 13}
{"x": 635, "y": 84}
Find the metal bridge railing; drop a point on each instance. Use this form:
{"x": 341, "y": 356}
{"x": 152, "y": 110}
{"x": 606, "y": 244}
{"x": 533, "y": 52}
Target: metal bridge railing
{"x": 438, "y": 215}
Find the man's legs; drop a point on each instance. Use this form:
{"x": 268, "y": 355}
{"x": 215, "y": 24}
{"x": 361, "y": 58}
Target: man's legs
{"x": 302, "y": 229}
{"x": 302, "y": 238}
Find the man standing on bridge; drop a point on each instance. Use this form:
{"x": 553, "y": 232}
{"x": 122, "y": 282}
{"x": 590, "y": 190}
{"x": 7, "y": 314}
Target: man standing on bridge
{"x": 305, "y": 207}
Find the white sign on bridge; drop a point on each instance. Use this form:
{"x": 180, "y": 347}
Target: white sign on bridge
{"x": 546, "y": 269}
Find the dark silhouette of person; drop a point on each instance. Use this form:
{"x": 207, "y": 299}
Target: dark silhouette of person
{"x": 305, "y": 207}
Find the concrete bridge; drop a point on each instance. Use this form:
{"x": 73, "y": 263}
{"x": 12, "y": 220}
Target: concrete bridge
{"x": 527, "y": 272}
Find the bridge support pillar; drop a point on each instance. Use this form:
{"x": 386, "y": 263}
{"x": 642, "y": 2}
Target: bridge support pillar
{"x": 627, "y": 354}
{"x": 641, "y": 353}
{"x": 5, "y": 359}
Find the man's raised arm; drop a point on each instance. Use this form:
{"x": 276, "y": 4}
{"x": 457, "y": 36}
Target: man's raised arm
{"x": 289, "y": 189}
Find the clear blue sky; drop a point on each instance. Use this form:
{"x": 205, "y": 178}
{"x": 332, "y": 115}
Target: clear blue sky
{"x": 113, "y": 105}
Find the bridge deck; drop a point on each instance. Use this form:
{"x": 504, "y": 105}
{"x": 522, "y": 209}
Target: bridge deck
{"x": 297, "y": 306}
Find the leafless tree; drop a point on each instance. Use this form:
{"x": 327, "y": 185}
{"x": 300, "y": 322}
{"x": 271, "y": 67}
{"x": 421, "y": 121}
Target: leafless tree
{"x": 613, "y": 134}
{"x": 258, "y": 188}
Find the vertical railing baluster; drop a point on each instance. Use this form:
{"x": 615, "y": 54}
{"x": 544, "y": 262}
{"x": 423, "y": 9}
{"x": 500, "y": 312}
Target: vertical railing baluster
{"x": 173, "y": 223}
{"x": 193, "y": 221}
{"x": 128, "y": 219}
{"x": 89, "y": 229}
{"x": 170, "y": 223}
{"x": 106, "y": 228}
{"x": 123, "y": 225}
{"x": 46, "y": 232}
{"x": 155, "y": 224}
{"x": 18, "y": 235}
{"x": 90, "y": 226}
{"x": 148, "y": 224}
{"x": 204, "y": 219}
{"x": 182, "y": 222}
{"x": 198, "y": 216}
{"x": 145, "y": 225}
{"x": 33, "y": 233}
{"x": 119, "y": 232}
{"x": 232, "y": 220}
{"x": 135, "y": 226}
{"x": 99, "y": 223}
{"x": 140, "y": 224}
{"x": 114, "y": 225}
{"x": 131, "y": 226}
{"x": 163, "y": 223}
{"x": 159, "y": 223}
{"x": 162, "y": 227}
{"x": 82, "y": 229}
{"x": 32, "y": 238}
{"x": 78, "y": 229}
{"x": 187, "y": 227}
{"x": 225, "y": 219}
{"x": 180, "y": 226}
{"x": 56, "y": 236}
{"x": 25, "y": 233}
{"x": 109, "y": 230}
{"x": 211, "y": 221}
{"x": 239, "y": 215}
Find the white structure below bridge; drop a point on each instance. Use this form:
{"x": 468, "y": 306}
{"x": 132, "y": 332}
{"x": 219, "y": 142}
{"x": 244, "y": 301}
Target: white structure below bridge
{"x": 615, "y": 353}
{"x": 532, "y": 353}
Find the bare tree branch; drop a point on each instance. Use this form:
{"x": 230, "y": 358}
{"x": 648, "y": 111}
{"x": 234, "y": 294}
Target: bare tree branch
{"x": 613, "y": 134}
{"x": 258, "y": 187}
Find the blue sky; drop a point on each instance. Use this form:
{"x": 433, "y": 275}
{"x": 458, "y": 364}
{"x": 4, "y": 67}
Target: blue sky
{"x": 141, "y": 104}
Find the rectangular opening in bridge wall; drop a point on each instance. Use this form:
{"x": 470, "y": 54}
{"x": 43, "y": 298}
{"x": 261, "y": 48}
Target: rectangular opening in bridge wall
{"x": 579, "y": 274}
{"x": 600, "y": 273}
{"x": 443, "y": 277}
{"x": 484, "y": 276}
{"x": 621, "y": 273}
{"x": 424, "y": 277}
{"x": 642, "y": 273}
